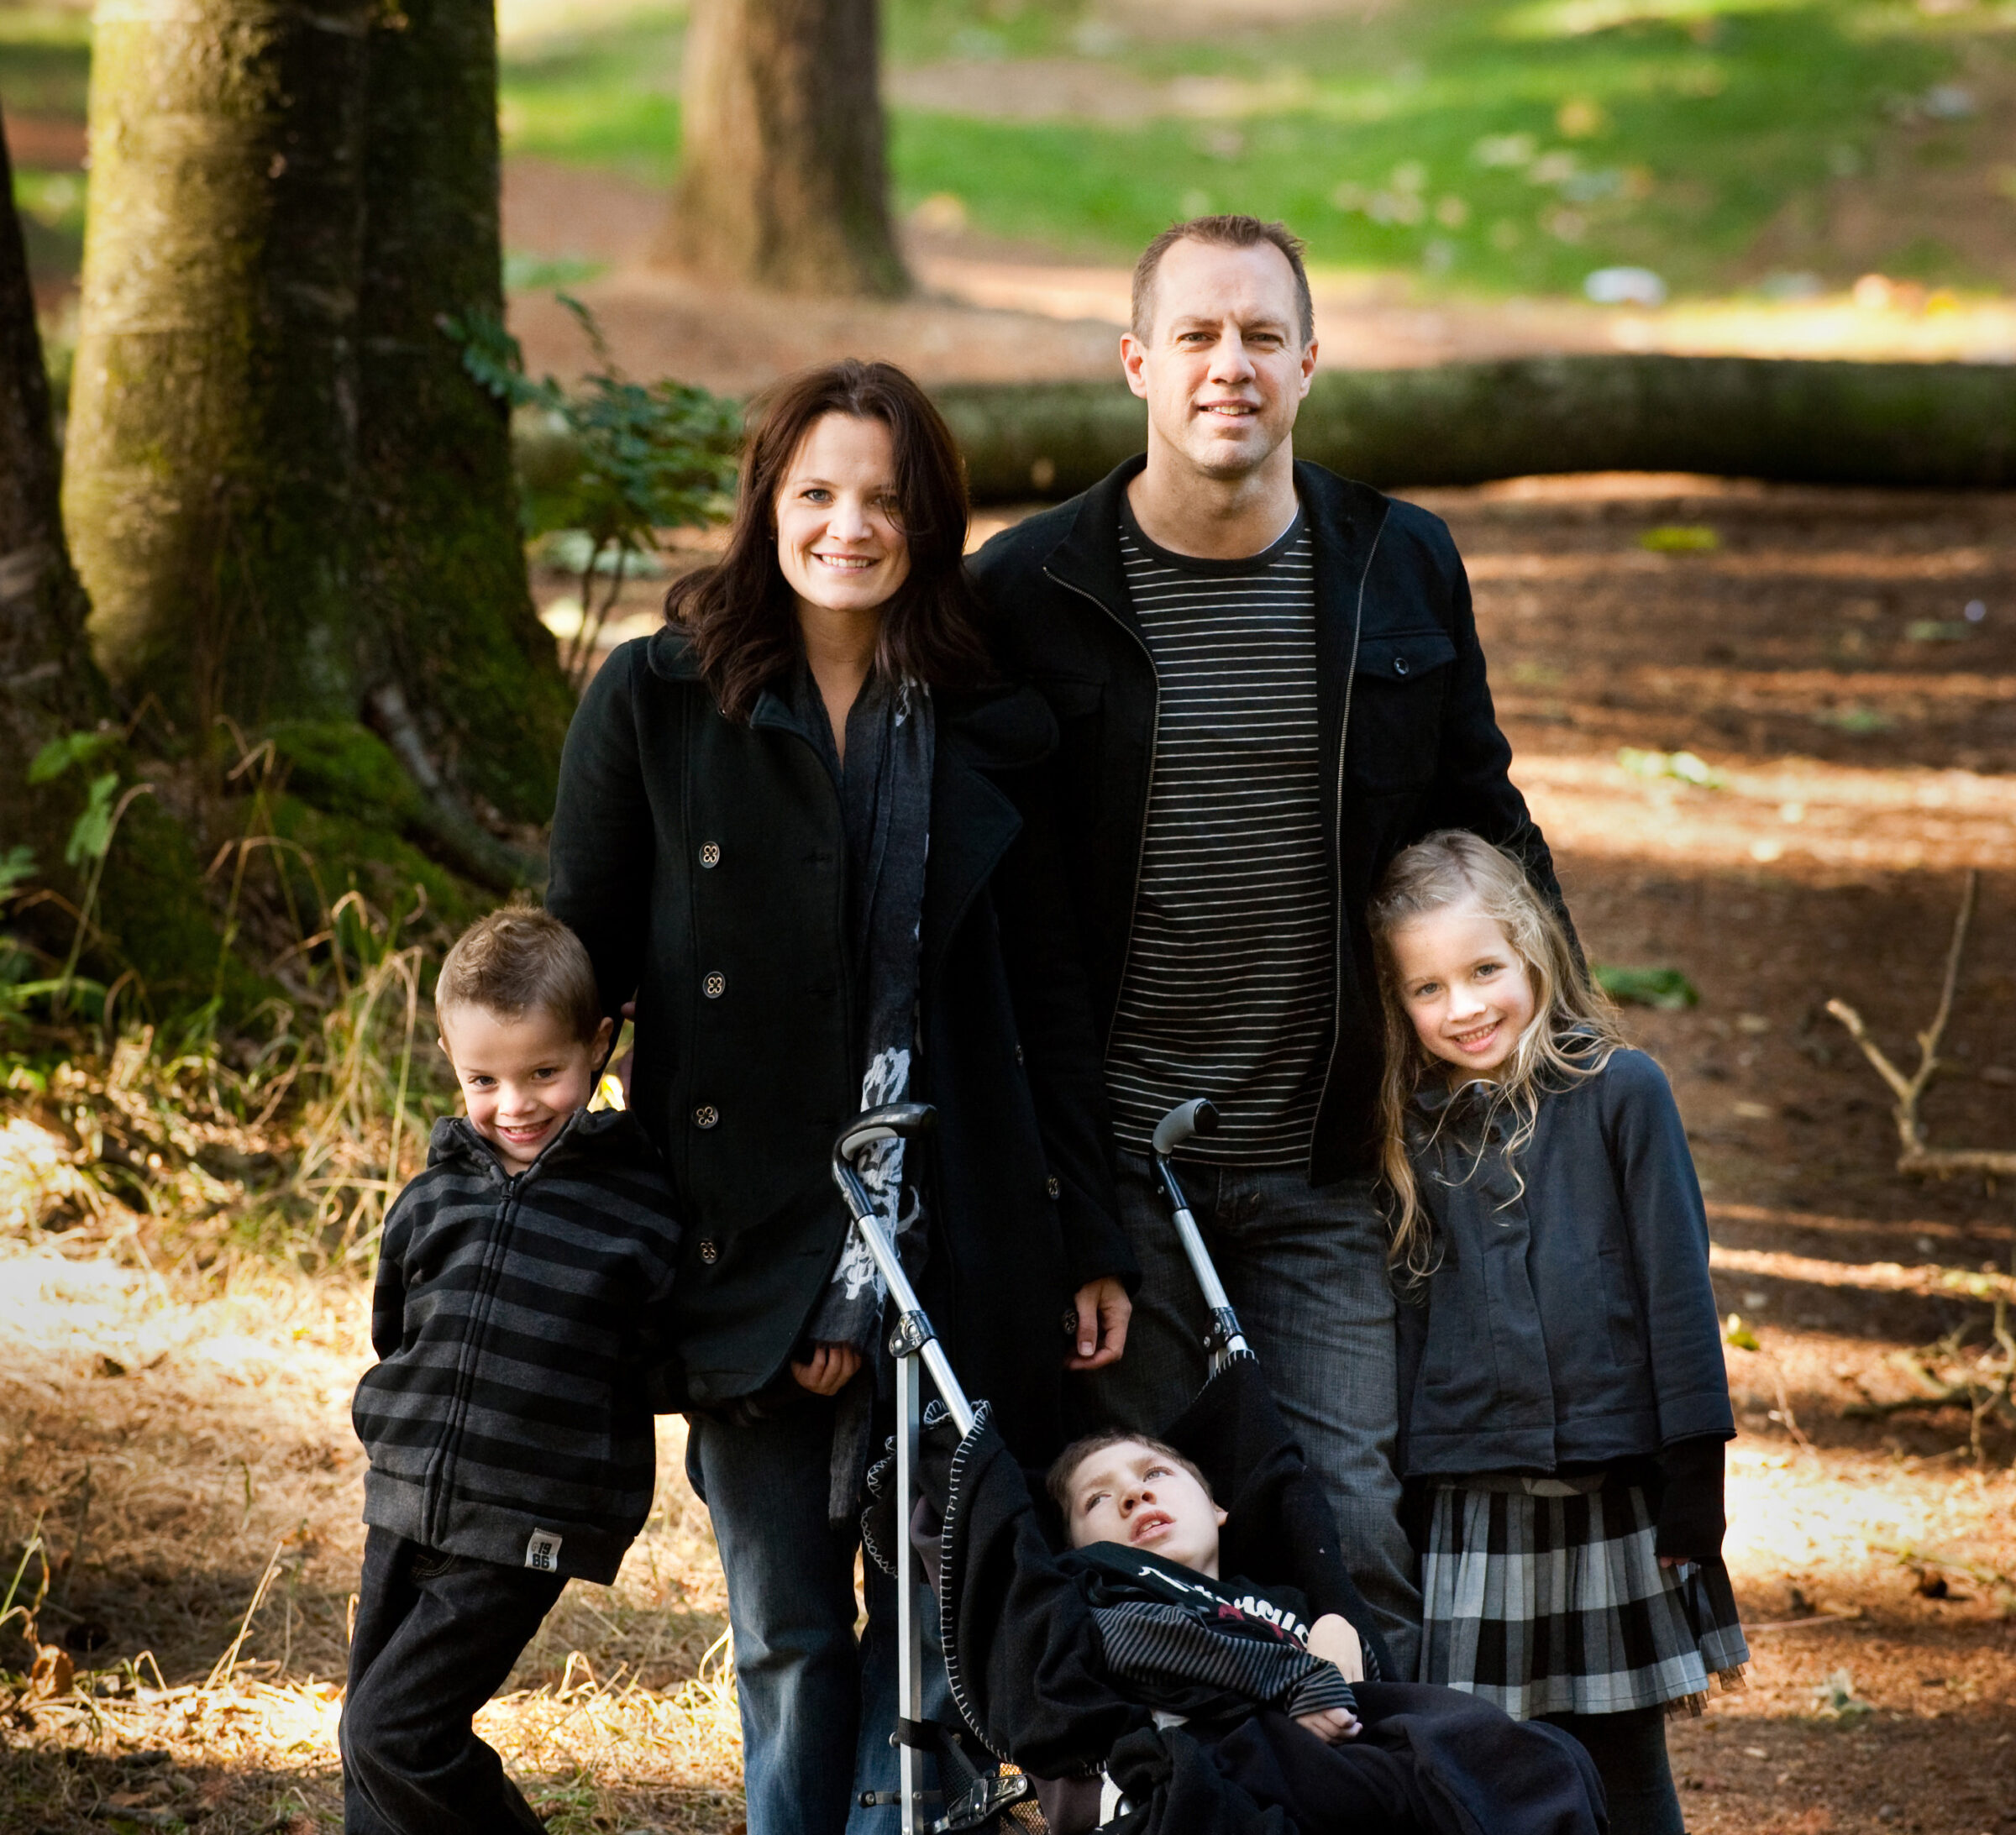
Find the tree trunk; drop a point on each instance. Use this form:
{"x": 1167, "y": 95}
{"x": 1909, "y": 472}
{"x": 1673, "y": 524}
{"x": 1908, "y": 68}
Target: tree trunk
{"x": 442, "y": 559}
{"x": 50, "y": 682}
{"x": 783, "y": 182}
{"x": 1913, "y": 424}
{"x": 148, "y": 911}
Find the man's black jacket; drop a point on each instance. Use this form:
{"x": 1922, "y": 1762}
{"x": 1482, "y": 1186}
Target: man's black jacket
{"x": 1408, "y": 738}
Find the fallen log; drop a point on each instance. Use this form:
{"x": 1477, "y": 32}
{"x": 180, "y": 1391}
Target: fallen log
{"x": 1908, "y": 424}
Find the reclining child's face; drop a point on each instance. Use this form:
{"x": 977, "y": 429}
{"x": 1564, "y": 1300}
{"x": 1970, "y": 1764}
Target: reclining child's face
{"x": 521, "y": 1077}
{"x": 1131, "y": 1494}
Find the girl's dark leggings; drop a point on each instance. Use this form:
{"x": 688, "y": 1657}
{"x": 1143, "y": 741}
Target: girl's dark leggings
{"x": 1628, "y": 1751}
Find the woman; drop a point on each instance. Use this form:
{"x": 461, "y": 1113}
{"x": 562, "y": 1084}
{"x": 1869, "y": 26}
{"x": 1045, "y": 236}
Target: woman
{"x": 789, "y": 827}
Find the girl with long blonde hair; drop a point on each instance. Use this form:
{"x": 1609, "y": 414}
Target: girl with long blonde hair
{"x": 1563, "y": 1402}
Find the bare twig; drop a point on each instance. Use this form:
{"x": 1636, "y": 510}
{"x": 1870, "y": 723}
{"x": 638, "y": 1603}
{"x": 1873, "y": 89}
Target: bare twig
{"x": 1914, "y": 1156}
{"x": 221, "y": 1674}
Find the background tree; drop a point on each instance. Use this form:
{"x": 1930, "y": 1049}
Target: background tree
{"x": 443, "y": 560}
{"x": 783, "y": 180}
{"x": 60, "y": 781}
{"x": 207, "y": 462}
{"x": 289, "y": 501}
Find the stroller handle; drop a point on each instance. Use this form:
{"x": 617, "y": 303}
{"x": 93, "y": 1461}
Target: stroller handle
{"x": 913, "y": 1336}
{"x": 1183, "y": 1122}
{"x": 893, "y": 1121}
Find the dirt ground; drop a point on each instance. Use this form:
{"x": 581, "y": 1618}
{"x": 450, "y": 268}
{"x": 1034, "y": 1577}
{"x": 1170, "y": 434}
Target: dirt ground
{"x": 177, "y": 1435}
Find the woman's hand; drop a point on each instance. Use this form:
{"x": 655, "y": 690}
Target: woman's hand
{"x": 1102, "y": 1327}
{"x": 1333, "y": 1637}
{"x": 828, "y": 1370}
{"x": 1333, "y": 1726}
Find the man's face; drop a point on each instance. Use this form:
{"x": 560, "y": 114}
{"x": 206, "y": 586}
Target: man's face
{"x": 1223, "y": 367}
{"x": 1130, "y": 1494}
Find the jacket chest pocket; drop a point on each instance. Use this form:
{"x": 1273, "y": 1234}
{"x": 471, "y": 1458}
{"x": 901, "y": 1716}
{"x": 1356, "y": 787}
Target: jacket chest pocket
{"x": 1394, "y": 738}
{"x": 1079, "y": 704}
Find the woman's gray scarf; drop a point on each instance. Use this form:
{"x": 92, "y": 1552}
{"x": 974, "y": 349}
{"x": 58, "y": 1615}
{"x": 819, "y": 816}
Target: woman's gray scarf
{"x": 884, "y": 790}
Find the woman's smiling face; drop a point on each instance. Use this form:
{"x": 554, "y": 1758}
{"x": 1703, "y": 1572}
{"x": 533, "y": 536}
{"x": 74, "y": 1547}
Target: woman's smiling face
{"x": 1465, "y": 988}
{"x": 840, "y": 537}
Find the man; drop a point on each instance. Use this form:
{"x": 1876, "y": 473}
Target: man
{"x": 1267, "y": 682}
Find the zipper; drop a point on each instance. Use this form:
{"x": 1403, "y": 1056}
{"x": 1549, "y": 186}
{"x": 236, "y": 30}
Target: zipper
{"x": 1141, "y": 842}
{"x": 1336, "y": 851}
{"x": 472, "y": 1353}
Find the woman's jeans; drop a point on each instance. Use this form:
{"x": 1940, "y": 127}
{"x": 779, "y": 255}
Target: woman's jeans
{"x": 817, "y": 1706}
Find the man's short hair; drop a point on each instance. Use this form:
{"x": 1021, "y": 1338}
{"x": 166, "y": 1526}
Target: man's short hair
{"x": 1233, "y": 231}
{"x": 1064, "y": 1468}
{"x": 518, "y": 960}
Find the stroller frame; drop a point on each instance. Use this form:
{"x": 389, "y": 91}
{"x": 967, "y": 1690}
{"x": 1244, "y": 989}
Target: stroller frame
{"x": 914, "y": 1345}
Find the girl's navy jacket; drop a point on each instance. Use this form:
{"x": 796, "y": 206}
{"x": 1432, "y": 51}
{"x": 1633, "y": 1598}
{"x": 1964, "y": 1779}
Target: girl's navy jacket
{"x": 1570, "y": 1321}
{"x": 518, "y": 1321}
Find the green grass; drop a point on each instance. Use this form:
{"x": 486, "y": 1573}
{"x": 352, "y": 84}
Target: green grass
{"x": 1497, "y": 147}
{"x": 1502, "y": 147}
{"x": 1494, "y": 146}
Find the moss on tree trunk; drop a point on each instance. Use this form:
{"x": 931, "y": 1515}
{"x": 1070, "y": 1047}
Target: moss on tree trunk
{"x": 442, "y": 563}
{"x": 207, "y": 474}
{"x": 782, "y": 180}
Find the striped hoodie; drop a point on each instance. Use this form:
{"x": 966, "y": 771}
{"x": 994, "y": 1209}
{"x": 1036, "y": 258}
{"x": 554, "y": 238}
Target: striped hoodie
{"x": 517, "y": 1320}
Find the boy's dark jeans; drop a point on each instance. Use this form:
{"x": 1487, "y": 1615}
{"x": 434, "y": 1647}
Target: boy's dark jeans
{"x": 436, "y": 1635}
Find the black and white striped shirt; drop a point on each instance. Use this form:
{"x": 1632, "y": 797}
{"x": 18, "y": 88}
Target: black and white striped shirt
{"x": 1228, "y": 985}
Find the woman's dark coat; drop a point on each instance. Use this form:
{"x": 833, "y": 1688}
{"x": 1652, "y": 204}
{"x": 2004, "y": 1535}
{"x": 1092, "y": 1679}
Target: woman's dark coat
{"x": 702, "y": 862}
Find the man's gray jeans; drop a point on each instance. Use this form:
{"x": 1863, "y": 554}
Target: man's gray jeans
{"x": 1306, "y": 1270}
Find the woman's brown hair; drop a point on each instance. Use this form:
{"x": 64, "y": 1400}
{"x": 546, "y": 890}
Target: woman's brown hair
{"x": 738, "y": 613}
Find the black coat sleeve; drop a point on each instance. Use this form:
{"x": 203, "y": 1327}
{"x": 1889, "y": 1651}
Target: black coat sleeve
{"x": 600, "y": 872}
{"x": 1690, "y": 1522}
{"x": 1060, "y": 1050}
{"x": 1474, "y": 787}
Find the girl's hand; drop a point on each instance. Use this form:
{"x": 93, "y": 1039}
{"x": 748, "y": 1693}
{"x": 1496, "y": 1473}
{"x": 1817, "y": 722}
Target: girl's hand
{"x": 1333, "y": 1637}
{"x": 1100, "y": 1329}
{"x": 1333, "y": 1726}
{"x": 828, "y": 1370}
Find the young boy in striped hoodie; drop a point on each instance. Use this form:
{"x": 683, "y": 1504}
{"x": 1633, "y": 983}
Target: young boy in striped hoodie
{"x": 520, "y": 1316}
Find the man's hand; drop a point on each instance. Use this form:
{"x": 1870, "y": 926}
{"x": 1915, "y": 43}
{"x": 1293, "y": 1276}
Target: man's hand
{"x": 828, "y": 1370}
{"x": 1333, "y": 1637}
{"x": 1101, "y": 1326}
{"x": 1333, "y": 1726}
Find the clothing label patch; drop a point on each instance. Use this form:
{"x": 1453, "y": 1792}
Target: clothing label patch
{"x": 543, "y": 1551}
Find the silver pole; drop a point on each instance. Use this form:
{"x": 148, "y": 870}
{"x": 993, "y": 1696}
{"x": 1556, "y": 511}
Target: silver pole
{"x": 1225, "y": 1341}
{"x": 909, "y": 1680}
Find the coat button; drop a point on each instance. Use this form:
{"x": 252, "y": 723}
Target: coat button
{"x": 716, "y": 985}
{"x": 705, "y": 1115}
{"x": 710, "y": 853}
{"x": 1018, "y": 1054}
{"x": 1399, "y": 665}
{"x": 1051, "y": 1187}
{"x": 710, "y": 1251}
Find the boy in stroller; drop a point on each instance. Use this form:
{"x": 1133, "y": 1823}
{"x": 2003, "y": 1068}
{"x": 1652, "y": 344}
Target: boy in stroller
{"x": 1170, "y": 1733}
{"x": 1203, "y": 1723}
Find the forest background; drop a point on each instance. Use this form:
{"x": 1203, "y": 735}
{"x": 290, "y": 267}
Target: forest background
{"x": 364, "y": 374}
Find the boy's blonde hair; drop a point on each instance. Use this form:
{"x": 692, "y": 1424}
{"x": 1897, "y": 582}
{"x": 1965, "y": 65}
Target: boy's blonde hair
{"x": 1064, "y": 1467}
{"x": 1573, "y": 1031}
{"x": 518, "y": 960}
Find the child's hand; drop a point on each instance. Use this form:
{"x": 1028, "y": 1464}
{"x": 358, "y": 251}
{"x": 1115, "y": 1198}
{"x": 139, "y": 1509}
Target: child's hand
{"x": 1333, "y": 1726}
{"x": 828, "y": 1370}
{"x": 1332, "y": 1637}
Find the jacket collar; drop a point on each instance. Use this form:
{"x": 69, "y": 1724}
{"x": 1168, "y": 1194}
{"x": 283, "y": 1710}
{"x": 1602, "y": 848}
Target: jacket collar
{"x": 455, "y": 1137}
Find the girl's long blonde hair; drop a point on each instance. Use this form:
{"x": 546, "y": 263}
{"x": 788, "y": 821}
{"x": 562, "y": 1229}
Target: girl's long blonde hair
{"x": 1573, "y": 1031}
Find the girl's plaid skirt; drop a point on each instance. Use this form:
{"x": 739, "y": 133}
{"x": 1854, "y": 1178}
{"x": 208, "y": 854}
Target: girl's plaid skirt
{"x": 1558, "y": 1605}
